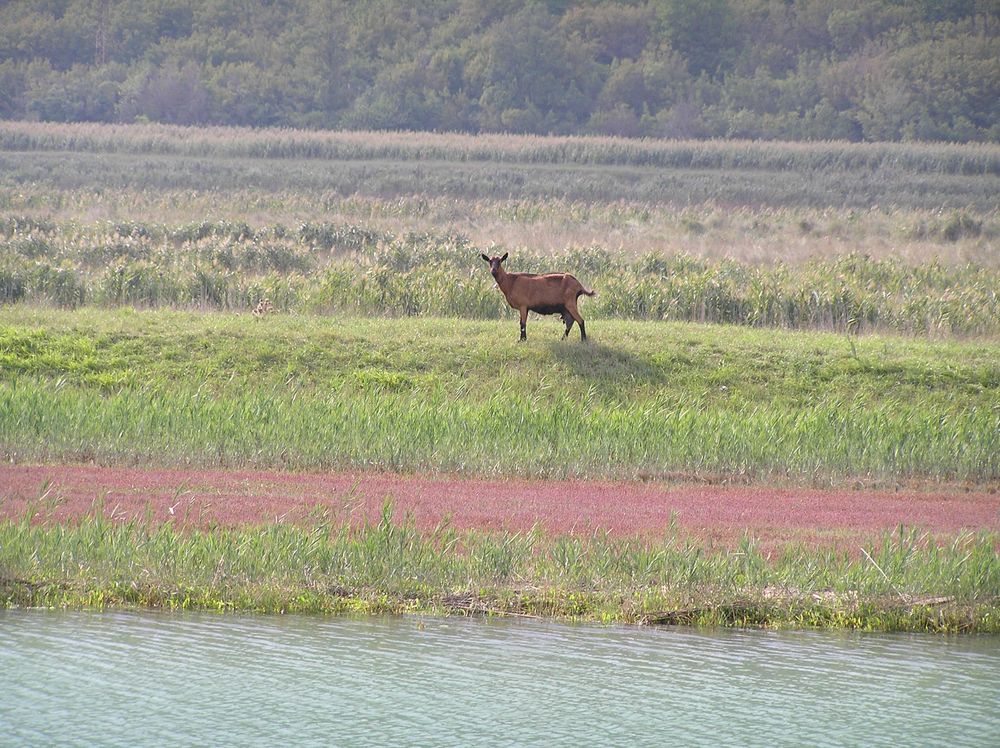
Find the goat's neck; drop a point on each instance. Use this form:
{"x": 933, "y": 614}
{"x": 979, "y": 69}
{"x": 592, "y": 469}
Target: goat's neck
{"x": 503, "y": 279}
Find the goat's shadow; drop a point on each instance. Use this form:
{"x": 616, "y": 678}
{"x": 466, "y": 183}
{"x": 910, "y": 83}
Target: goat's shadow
{"x": 603, "y": 365}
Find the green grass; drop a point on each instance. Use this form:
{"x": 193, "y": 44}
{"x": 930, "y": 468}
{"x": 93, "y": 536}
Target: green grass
{"x": 643, "y": 400}
{"x": 905, "y": 581}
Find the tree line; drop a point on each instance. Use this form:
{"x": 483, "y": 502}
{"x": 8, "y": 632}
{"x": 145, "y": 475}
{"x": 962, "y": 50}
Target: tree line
{"x": 857, "y": 70}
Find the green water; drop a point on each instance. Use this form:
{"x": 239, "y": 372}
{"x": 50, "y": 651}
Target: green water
{"x": 129, "y": 679}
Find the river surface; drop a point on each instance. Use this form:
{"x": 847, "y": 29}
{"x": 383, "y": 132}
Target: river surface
{"x": 156, "y": 679}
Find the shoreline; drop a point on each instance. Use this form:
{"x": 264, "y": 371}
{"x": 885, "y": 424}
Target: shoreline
{"x": 369, "y": 550}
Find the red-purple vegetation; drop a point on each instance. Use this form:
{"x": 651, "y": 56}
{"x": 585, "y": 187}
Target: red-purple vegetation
{"x": 720, "y": 513}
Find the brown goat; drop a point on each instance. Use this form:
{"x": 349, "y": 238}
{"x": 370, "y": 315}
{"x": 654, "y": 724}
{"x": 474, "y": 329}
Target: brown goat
{"x": 552, "y": 293}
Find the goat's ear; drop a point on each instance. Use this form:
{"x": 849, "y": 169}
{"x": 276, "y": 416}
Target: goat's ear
{"x": 485, "y": 257}
{"x": 504, "y": 257}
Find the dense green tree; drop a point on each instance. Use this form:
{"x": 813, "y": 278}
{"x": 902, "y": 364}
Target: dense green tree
{"x": 13, "y": 83}
{"x": 82, "y": 93}
{"x": 243, "y": 94}
{"x": 703, "y": 31}
{"x": 803, "y": 69}
{"x": 952, "y": 83}
{"x": 614, "y": 31}
{"x": 173, "y": 93}
{"x": 529, "y": 77}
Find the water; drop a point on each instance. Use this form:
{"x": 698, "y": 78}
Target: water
{"x": 128, "y": 679}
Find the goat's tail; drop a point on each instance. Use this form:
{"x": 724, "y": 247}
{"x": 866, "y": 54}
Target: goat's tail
{"x": 585, "y": 291}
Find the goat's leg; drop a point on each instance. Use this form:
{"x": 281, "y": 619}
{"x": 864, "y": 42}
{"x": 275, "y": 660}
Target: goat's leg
{"x": 567, "y": 319}
{"x": 575, "y": 314}
{"x": 524, "y": 323}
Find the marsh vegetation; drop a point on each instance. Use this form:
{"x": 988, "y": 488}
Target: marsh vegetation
{"x": 820, "y": 315}
{"x": 834, "y": 236}
{"x": 904, "y": 581}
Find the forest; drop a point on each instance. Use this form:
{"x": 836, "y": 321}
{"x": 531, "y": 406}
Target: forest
{"x": 854, "y": 70}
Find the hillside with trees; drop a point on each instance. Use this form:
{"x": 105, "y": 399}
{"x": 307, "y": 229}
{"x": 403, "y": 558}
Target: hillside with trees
{"x": 856, "y": 70}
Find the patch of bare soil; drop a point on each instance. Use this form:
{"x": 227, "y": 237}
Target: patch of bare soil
{"x": 58, "y": 493}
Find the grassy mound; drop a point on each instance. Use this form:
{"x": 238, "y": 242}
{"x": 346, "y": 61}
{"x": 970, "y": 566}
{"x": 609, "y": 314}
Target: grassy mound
{"x": 644, "y": 400}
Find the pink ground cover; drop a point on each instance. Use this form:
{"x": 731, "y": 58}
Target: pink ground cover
{"x": 204, "y": 497}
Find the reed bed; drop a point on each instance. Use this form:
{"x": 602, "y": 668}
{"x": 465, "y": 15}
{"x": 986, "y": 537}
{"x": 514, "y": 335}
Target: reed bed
{"x": 644, "y": 401}
{"x": 904, "y": 581}
{"x": 353, "y": 269}
{"x": 234, "y": 142}
{"x": 546, "y": 225}
{"x": 501, "y": 180}
{"x": 498, "y": 167}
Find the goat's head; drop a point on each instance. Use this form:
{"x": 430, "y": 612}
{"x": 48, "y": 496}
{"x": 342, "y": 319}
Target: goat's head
{"x": 494, "y": 263}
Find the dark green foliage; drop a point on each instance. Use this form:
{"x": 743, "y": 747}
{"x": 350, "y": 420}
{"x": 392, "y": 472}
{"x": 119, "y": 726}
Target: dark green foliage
{"x": 801, "y": 70}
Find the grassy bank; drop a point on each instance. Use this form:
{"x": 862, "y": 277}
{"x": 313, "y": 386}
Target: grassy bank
{"x": 644, "y": 400}
{"x": 904, "y": 582}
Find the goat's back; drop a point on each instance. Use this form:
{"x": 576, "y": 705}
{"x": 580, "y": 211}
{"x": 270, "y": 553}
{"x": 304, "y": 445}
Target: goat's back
{"x": 542, "y": 290}
{"x": 562, "y": 281}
